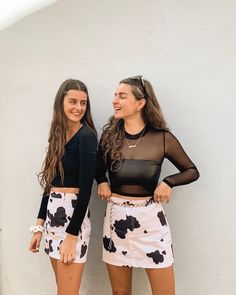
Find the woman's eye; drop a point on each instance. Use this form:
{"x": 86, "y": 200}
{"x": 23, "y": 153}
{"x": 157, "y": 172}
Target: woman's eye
{"x": 83, "y": 103}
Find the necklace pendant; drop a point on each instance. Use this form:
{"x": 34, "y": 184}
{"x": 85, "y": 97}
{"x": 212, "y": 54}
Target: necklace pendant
{"x": 130, "y": 146}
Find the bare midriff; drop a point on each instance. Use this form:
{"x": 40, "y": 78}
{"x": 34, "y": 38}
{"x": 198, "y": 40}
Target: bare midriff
{"x": 73, "y": 190}
{"x": 130, "y": 197}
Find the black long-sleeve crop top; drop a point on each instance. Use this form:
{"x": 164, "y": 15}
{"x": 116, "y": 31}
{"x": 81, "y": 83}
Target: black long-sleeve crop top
{"x": 79, "y": 162}
{"x": 140, "y": 169}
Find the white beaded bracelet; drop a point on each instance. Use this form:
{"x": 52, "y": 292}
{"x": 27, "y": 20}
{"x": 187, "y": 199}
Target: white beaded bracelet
{"x": 36, "y": 228}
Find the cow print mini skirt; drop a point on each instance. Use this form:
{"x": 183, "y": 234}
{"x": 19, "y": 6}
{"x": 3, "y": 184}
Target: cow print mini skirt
{"x": 59, "y": 212}
{"x": 136, "y": 234}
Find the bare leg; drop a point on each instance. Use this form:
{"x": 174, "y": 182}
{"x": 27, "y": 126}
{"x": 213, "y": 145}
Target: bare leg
{"x": 54, "y": 266}
{"x": 69, "y": 278}
{"x": 162, "y": 280}
{"x": 120, "y": 279}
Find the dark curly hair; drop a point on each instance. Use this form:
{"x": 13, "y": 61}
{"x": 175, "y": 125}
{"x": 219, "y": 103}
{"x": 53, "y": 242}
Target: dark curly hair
{"x": 113, "y": 132}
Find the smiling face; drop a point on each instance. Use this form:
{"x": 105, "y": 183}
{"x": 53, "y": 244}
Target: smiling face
{"x": 125, "y": 103}
{"x": 74, "y": 104}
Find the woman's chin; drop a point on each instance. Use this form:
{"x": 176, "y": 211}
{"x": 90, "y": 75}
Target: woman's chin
{"x": 118, "y": 116}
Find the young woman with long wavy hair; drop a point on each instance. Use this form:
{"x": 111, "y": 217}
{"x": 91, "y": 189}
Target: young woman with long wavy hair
{"x": 132, "y": 148}
{"x": 67, "y": 176}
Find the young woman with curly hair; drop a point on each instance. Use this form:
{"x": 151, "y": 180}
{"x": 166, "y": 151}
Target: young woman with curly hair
{"x": 132, "y": 148}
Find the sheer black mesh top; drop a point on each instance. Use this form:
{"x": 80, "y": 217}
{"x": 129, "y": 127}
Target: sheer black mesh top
{"x": 143, "y": 154}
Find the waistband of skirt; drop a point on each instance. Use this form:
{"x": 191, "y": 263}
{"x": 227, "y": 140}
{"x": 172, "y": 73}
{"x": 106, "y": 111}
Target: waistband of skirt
{"x": 124, "y": 202}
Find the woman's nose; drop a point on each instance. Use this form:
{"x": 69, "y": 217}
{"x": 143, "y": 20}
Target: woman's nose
{"x": 115, "y": 100}
{"x": 78, "y": 106}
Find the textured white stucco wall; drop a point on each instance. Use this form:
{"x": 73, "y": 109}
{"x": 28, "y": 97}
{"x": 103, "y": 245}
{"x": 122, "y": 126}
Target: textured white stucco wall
{"x": 187, "y": 50}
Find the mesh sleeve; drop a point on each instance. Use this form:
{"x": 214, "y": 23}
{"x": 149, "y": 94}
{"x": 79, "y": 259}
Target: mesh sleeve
{"x": 175, "y": 153}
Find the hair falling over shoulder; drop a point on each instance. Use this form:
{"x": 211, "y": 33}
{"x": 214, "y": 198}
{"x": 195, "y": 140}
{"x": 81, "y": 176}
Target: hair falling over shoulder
{"x": 57, "y": 133}
{"x": 112, "y": 139}
{"x": 113, "y": 132}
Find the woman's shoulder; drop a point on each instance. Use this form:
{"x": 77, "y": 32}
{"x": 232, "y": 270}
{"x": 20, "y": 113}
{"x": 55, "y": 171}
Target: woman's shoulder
{"x": 165, "y": 132}
{"x": 87, "y": 132}
{"x": 157, "y": 129}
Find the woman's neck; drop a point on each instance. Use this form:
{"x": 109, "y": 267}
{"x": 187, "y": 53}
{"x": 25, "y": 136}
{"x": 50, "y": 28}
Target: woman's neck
{"x": 72, "y": 129}
{"x": 134, "y": 126}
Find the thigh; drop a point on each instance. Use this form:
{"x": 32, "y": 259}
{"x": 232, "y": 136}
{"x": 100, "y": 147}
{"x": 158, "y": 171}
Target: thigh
{"x": 161, "y": 280}
{"x": 54, "y": 266}
{"x": 69, "y": 278}
{"x": 120, "y": 279}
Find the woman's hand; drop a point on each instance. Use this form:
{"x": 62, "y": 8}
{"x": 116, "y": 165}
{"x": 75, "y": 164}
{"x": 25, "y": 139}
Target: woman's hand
{"x": 35, "y": 242}
{"x": 104, "y": 191}
{"x": 162, "y": 193}
{"x": 67, "y": 249}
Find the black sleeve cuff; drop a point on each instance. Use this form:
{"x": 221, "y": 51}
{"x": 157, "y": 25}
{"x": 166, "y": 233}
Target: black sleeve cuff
{"x": 168, "y": 183}
{"x": 102, "y": 179}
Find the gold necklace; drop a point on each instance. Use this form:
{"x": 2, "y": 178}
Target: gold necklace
{"x": 130, "y": 146}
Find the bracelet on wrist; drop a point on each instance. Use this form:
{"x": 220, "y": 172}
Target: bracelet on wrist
{"x": 36, "y": 228}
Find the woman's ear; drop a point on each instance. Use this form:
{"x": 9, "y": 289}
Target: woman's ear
{"x": 141, "y": 104}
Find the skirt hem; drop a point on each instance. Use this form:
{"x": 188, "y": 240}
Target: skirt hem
{"x": 138, "y": 266}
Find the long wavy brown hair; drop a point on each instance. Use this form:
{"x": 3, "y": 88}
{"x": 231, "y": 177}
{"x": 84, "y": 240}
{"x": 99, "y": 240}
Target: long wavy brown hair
{"x": 57, "y": 133}
{"x": 113, "y": 132}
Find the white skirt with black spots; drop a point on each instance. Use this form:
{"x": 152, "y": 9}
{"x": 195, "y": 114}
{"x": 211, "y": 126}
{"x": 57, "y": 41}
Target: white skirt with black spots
{"x": 59, "y": 212}
{"x": 136, "y": 234}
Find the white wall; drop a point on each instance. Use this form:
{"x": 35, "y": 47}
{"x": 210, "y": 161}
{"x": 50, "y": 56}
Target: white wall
{"x": 187, "y": 50}
{"x": 12, "y": 11}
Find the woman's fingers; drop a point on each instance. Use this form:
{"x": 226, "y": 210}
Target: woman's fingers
{"x": 34, "y": 245}
{"x": 162, "y": 193}
{"x": 159, "y": 198}
{"x": 64, "y": 258}
{"x": 37, "y": 246}
{"x": 72, "y": 258}
{"x": 67, "y": 249}
{"x": 163, "y": 198}
{"x": 67, "y": 258}
{"x": 104, "y": 196}
{"x": 104, "y": 191}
